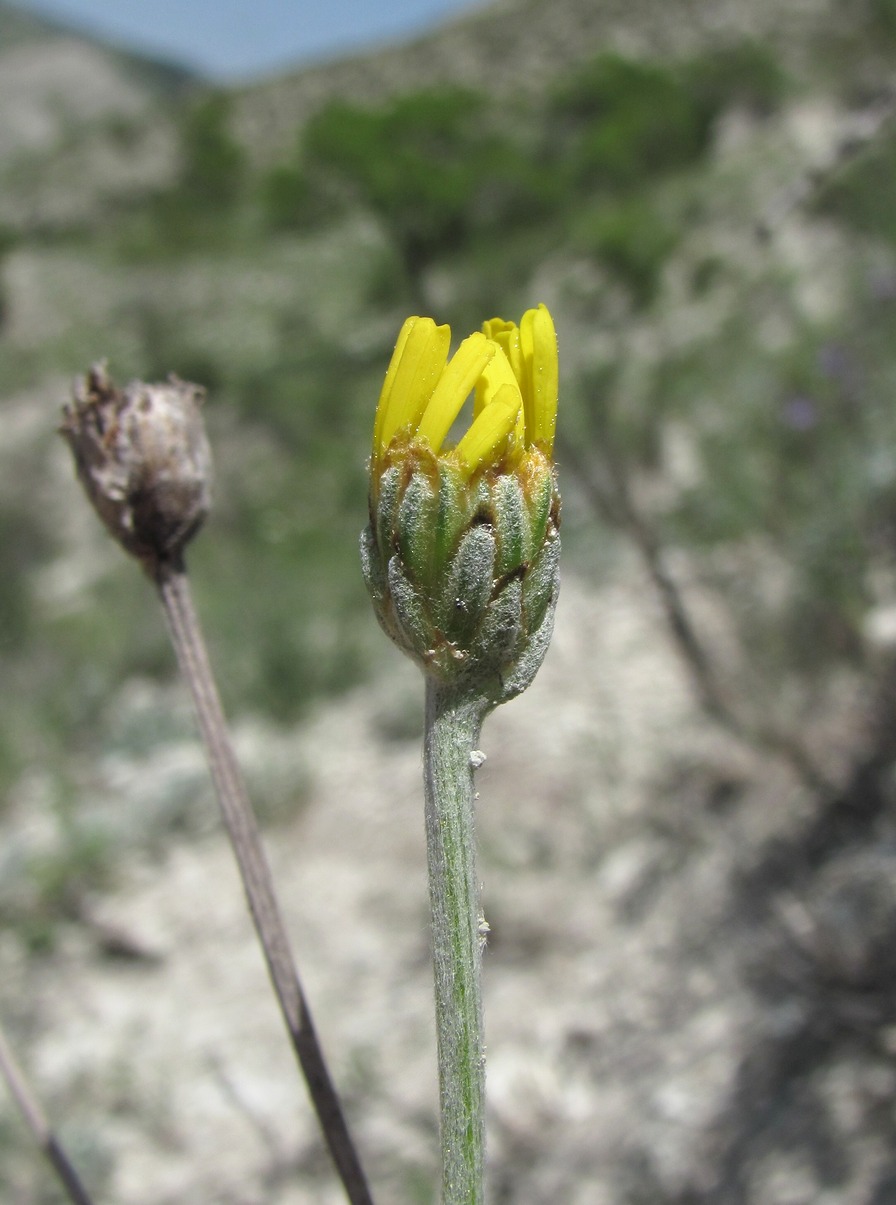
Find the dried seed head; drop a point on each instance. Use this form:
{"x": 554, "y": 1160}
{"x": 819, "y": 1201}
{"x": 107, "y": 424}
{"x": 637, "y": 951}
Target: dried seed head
{"x": 143, "y": 457}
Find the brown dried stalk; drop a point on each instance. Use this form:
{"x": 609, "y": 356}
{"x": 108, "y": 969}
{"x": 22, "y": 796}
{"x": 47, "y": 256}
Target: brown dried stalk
{"x": 144, "y": 460}
{"x": 35, "y": 1119}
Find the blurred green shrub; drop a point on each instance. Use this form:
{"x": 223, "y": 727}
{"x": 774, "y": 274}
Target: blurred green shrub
{"x": 213, "y": 162}
{"x": 416, "y": 163}
{"x": 199, "y": 209}
{"x": 800, "y": 459}
{"x": 289, "y": 200}
{"x": 617, "y": 123}
{"x": 445, "y": 172}
{"x": 8, "y": 239}
{"x": 863, "y": 192}
{"x": 430, "y": 166}
{"x": 631, "y": 240}
{"x": 882, "y": 15}
{"x": 745, "y": 74}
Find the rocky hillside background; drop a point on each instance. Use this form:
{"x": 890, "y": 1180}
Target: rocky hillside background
{"x": 686, "y": 826}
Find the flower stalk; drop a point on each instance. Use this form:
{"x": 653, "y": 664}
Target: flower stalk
{"x": 242, "y": 828}
{"x": 453, "y": 721}
{"x": 36, "y": 1120}
{"x": 144, "y": 460}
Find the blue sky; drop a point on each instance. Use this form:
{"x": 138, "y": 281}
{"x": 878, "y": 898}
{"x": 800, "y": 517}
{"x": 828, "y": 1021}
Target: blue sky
{"x": 234, "y": 39}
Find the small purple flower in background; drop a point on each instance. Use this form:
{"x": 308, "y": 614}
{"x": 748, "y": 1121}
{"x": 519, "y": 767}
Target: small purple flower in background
{"x": 800, "y": 413}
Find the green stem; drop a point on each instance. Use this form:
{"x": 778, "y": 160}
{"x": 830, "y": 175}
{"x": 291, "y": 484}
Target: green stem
{"x": 453, "y": 721}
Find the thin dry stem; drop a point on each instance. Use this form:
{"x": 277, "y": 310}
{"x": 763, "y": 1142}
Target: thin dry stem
{"x": 617, "y": 506}
{"x": 242, "y": 827}
{"x": 35, "y": 1118}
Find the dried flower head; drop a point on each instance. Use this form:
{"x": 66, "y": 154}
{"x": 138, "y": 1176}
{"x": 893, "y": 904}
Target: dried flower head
{"x": 143, "y": 458}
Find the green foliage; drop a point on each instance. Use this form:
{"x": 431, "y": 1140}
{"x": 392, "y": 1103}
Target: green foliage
{"x": 8, "y": 239}
{"x": 631, "y": 240}
{"x": 212, "y": 161}
{"x": 431, "y": 166}
{"x": 416, "y": 163}
{"x": 22, "y": 543}
{"x": 618, "y": 123}
{"x": 745, "y": 74}
{"x": 61, "y": 879}
{"x": 200, "y": 209}
{"x": 289, "y": 201}
{"x": 413, "y": 151}
{"x": 443, "y": 171}
{"x": 776, "y": 471}
{"x": 863, "y": 192}
{"x": 883, "y": 18}
{"x": 801, "y": 460}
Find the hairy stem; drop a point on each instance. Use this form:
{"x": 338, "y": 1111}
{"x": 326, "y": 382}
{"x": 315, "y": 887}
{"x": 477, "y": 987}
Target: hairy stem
{"x": 242, "y": 828}
{"x": 453, "y": 721}
{"x": 29, "y": 1106}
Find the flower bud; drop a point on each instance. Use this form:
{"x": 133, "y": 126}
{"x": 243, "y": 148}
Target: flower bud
{"x": 461, "y": 554}
{"x": 143, "y": 458}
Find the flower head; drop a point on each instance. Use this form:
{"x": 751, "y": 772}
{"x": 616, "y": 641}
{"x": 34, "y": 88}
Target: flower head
{"x": 143, "y": 458}
{"x": 461, "y": 553}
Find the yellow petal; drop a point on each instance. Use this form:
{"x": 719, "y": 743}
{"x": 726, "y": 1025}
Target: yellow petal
{"x": 495, "y": 374}
{"x": 386, "y": 391}
{"x": 463, "y": 371}
{"x": 538, "y": 340}
{"x": 491, "y": 428}
{"x": 417, "y": 363}
{"x": 507, "y": 336}
{"x": 519, "y": 433}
